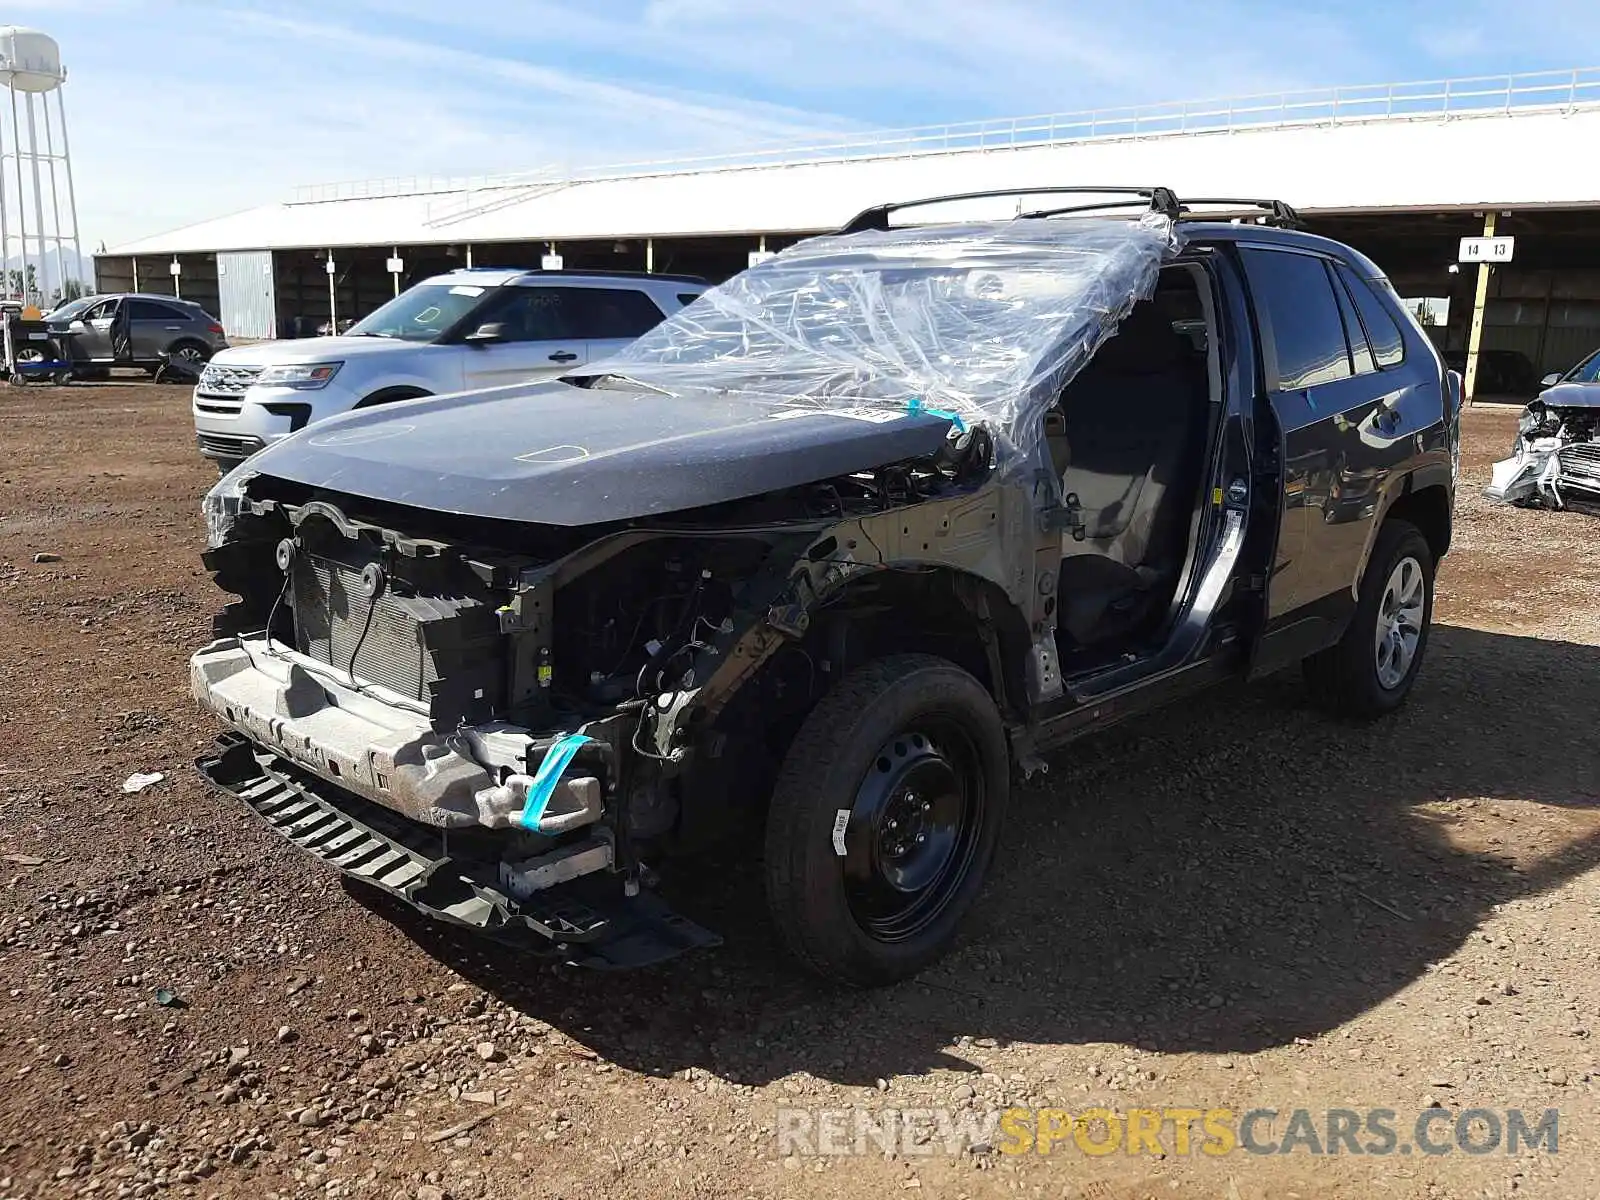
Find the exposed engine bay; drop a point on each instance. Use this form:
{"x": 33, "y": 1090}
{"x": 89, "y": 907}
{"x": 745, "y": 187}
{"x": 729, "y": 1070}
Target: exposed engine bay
{"x": 1555, "y": 461}
{"x": 552, "y": 685}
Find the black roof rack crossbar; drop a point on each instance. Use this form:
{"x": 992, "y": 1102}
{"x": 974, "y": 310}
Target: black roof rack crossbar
{"x": 1278, "y": 213}
{"x": 1159, "y": 199}
{"x": 1041, "y": 213}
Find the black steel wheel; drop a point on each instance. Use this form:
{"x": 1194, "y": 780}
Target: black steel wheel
{"x": 885, "y": 818}
{"x": 913, "y": 830}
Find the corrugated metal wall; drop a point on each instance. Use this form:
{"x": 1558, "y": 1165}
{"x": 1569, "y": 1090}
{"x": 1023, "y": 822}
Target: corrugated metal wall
{"x": 244, "y": 282}
{"x": 1552, "y": 316}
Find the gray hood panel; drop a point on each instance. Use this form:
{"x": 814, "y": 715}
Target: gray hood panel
{"x": 1572, "y": 395}
{"x": 555, "y": 454}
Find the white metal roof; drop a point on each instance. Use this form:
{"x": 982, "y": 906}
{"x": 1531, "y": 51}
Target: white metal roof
{"x": 1394, "y": 152}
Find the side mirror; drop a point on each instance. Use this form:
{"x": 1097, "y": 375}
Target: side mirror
{"x": 1551, "y": 379}
{"x": 487, "y": 334}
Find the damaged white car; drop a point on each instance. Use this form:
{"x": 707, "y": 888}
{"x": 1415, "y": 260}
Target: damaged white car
{"x": 1555, "y": 462}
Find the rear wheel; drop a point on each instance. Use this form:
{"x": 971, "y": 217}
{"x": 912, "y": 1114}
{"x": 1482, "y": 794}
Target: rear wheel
{"x": 885, "y": 818}
{"x": 1370, "y": 670}
{"x": 197, "y": 353}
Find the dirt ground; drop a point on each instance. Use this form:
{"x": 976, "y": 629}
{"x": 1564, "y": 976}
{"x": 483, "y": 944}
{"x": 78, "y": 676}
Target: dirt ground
{"x": 1236, "y": 905}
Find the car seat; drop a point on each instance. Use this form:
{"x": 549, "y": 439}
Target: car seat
{"x": 1134, "y": 422}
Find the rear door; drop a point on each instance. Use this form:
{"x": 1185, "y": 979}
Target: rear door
{"x": 155, "y": 326}
{"x": 613, "y": 317}
{"x": 541, "y": 337}
{"x": 1335, "y": 420}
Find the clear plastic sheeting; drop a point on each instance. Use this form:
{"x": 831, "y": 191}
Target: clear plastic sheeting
{"x": 985, "y": 322}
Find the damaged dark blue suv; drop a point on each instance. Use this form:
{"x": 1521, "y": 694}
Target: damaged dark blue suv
{"x": 832, "y": 550}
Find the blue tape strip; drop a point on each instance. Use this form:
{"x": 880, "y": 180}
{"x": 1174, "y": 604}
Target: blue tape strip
{"x": 544, "y": 780}
{"x": 916, "y": 406}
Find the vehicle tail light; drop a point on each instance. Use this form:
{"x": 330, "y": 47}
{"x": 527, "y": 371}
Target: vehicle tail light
{"x": 214, "y": 328}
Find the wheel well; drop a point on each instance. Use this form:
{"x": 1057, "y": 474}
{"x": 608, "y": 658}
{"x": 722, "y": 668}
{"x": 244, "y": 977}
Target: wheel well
{"x": 189, "y": 341}
{"x": 1427, "y": 508}
{"x": 936, "y": 611}
{"x": 391, "y": 394}
{"x": 949, "y": 613}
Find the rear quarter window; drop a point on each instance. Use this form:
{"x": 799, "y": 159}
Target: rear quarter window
{"x": 1383, "y": 332}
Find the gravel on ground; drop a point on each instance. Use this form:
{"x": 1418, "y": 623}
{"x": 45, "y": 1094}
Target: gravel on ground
{"x": 1239, "y": 904}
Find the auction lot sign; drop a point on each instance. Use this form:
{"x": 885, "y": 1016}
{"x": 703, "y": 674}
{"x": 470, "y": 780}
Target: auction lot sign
{"x": 1213, "y": 1132}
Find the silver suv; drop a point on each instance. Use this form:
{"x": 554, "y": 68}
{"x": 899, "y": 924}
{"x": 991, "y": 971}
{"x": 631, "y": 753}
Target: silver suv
{"x": 466, "y": 330}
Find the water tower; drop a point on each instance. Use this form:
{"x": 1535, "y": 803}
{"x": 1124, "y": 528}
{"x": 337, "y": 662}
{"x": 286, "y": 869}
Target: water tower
{"x": 35, "y": 177}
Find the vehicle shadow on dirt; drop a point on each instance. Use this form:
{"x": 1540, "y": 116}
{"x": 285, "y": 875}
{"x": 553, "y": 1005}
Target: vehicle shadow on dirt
{"x": 1227, "y": 876}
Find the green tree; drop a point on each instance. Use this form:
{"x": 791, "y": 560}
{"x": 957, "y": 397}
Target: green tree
{"x": 23, "y": 286}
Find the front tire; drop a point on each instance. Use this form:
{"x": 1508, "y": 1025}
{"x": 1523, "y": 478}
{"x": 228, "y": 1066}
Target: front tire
{"x": 1370, "y": 671}
{"x": 904, "y": 767}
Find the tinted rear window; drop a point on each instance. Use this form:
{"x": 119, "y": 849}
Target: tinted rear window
{"x": 1297, "y": 310}
{"x": 149, "y": 310}
{"x": 615, "y": 312}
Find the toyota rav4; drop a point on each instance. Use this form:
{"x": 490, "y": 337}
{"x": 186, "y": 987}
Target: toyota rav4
{"x": 834, "y": 549}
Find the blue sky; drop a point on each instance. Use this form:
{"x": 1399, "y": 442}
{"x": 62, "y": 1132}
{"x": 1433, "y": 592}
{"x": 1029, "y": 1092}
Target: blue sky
{"x": 181, "y": 110}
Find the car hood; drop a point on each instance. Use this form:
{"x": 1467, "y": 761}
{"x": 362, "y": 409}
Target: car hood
{"x": 1572, "y": 395}
{"x": 556, "y": 454}
{"x": 309, "y": 350}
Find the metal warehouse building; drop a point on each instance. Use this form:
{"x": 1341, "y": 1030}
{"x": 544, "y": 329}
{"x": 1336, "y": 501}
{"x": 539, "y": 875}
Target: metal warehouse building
{"x": 1402, "y": 172}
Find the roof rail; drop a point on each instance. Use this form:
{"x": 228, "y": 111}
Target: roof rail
{"x": 570, "y": 272}
{"x": 1156, "y": 199}
{"x": 1152, "y": 199}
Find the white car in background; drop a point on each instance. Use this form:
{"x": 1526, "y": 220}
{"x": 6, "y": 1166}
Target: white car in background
{"x": 475, "y": 328}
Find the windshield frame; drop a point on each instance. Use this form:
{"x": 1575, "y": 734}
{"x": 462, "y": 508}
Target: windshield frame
{"x": 445, "y": 334}
{"x": 60, "y": 313}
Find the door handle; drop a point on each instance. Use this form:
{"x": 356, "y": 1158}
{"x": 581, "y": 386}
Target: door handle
{"x": 172, "y": 328}
{"x": 563, "y": 356}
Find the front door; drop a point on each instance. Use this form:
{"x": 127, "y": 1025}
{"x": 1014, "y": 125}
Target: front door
{"x": 539, "y": 338}
{"x": 93, "y": 331}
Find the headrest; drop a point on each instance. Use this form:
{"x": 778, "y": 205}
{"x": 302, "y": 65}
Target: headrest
{"x": 1144, "y": 344}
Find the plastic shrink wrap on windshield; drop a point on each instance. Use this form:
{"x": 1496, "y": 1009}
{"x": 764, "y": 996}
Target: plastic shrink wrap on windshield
{"x": 985, "y": 322}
